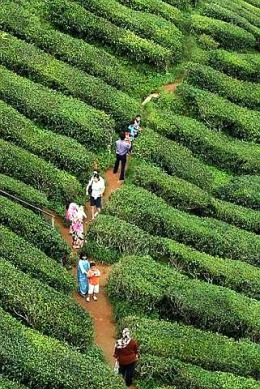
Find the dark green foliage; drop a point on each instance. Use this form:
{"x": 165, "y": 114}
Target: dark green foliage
{"x": 144, "y": 24}
{"x": 7, "y": 384}
{"x": 109, "y": 238}
{"x": 244, "y": 66}
{"x": 212, "y": 146}
{"x": 183, "y": 195}
{"x": 244, "y": 190}
{"x": 74, "y": 18}
{"x": 173, "y": 158}
{"x": 33, "y": 229}
{"x": 208, "y": 350}
{"x": 41, "y": 307}
{"x": 246, "y": 94}
{"x": 43, "y": 362}
{"x": 34, "y": 262}
{"x": 63, "y": 114}
{"x": 221, "y": 114}
{"x": 155, "y": 216}
{"x": 60, "y": 187}
{"x": 30, "y": 61}
{"x": 155, "y": 288}
{"x": 229, "y": 36}
{"x": 23, "y": 191}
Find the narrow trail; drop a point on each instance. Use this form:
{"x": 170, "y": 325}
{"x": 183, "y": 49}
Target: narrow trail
{"x": 101, "y": 310}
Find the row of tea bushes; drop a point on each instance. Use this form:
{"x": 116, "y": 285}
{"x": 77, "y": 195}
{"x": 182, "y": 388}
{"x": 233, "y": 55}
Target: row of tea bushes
{"x": 160, "y": 371}
{"x": 24, "y": 192}
{"x": 157, "y": 7}
{"x": 244, "y": 93}
{"x": 58, "y": 185}
{"x": 8, "y": 384}
{"x": 216, "y": 11}
{"x": 35, "y": 359}
{"x": 154, "y": 288}
{"x": 62, "y": 151}
{"x": 110, "y": 237}
{"x": 34, "y": 262}
{"x": 146, "y": 25}
{"x": 183, "y": 195}
{"x": 204, "y": 234}
{"x": 73, "y": 18}
{"x": 33, "y": 229}
{"x": 239, "y": 65}
{"x": 208, "y": 350}
{"x": 65, "y": 115}
{"x": 220, "y": 113}
{"x": 212, "y": 146}
{"x": 244, "y": 190}
{"x": 41, "y": 307}
{"x": 228, "y": 35}
{"x": 30, "y": 61}
{"x": 242, "y": 8}
{"x": 173, "y": 158}
{"x": 94, "y": 60}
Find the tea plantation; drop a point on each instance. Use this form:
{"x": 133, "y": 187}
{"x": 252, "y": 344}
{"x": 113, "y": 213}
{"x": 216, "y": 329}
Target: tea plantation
{"x": 182, "y": 232}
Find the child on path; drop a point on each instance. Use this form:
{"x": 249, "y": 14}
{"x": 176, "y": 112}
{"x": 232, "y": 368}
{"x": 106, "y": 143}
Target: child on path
{"x": 93, "y": 282}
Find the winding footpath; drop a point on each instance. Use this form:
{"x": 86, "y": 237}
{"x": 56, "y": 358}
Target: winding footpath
{"x": 101, "y": 311}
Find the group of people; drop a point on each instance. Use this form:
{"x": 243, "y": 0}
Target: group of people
{"x": 124, "y": 145}
{"x": 88, "y": 278}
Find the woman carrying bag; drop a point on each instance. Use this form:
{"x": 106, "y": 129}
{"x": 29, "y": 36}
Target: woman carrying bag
{"x": 95, "y": 190}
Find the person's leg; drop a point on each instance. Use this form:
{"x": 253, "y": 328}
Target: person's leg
{"x": 95, "y": 292}
{"x": 123, "y": 163}
{"x": 116, "y": 164}
{"x": 129, "y": 373}
{"x": 90, "y": 292}
{"x": 98, "y": 205}
{"x": 92, "y": 206}
{"x": 122, "y": 370}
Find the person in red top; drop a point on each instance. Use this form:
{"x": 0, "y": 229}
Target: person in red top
{"x": 93, "y": 282}
{"x": 126, "y": 352}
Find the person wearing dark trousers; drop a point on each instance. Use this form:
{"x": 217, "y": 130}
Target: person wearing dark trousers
{"x": 126, "y": 353}
{"x": 122, "y": 148}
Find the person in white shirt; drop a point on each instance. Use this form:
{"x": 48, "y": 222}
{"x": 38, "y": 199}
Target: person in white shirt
{"x": 95, "y": 189}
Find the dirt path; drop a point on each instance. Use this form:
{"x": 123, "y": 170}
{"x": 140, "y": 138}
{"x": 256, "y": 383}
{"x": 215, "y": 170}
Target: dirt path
{"x": 101, "y": 311}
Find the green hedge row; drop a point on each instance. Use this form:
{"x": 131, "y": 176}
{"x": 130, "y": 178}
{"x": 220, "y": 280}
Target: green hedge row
{"x": 208, "y": 350}
{"x": 243, "y": 8}
{"x": 33, "y": 229}
{"x": 220, "y": 113}
{"x": 146, "y": 25}
{"x": 62, "y": 151}
{"x": 23, "y": 191}
{"x": 157, "y": 7}
{"x": 181, "y": 4}
{"x": 228, "y": 35}
{"x": 204, "y": 234}
{"x": 218, "y": 12}
{"x": 244, "y": 190}
{"x": 159, "y": 371}
{"x": 44, "y": 362}
{"x": 244, "y": 66}
{"x": 173, "y": 158}
{"x": 73, "y": 18}
{"x": 89, "y": 58}
{"x": 214, "y": 147}
{"x": 183, "y": 195}
{"x": 154, "y": 288}
{"x": 34, "y": 262}
{"x": 41, "y": 307}
{"x": 65, "y": 115}
{"x": 7, "y": 384}
{"x": 246, "y": 94}
{"x": 41, "y": 67}
{"x": 109, "y": 238}
{"x": 59, "y": 186}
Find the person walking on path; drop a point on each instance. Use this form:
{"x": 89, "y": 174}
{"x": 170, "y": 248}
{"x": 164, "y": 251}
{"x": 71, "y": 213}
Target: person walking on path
{"x": 122, "y": 148}
{"x": 95, "y": 189}
{"x": 126, "y": 353}
{"x": 93, "y": 280}
{"x": 82, "y": 271}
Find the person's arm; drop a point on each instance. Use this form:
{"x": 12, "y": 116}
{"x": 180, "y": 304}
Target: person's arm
{"x": 97, "y": 273}
{"x": 116, "y": 353}
{"x": 102, "y": 190}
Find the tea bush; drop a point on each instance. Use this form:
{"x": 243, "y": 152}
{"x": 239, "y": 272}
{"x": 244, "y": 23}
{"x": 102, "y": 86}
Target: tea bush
{"x": 34, "y": 262}
{"x": 41, "y": 307}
